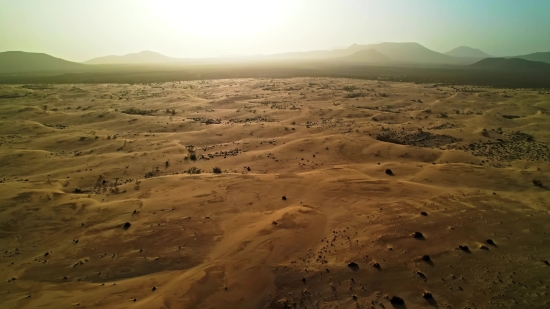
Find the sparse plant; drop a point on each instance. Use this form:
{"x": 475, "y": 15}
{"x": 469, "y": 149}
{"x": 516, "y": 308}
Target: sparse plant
{"x": 194, "y": 170}
{"x": 216, "y": 170}
{"x": 193, "y": 156}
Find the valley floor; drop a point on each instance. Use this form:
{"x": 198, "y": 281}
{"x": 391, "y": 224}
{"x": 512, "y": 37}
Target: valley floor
{"x": 274, "y": 193}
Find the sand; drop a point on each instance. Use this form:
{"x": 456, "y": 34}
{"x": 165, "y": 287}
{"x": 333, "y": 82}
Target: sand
{"x": 302, "y": 190}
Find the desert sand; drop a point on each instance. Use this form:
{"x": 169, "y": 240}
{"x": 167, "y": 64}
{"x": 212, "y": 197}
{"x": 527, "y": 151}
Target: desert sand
{"x": 328, "y": 193}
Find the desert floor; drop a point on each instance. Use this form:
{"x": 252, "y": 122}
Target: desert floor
{"x": 108, "y": 197}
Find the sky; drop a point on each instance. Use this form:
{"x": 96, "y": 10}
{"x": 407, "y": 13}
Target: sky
{"x": 79, "y": 30}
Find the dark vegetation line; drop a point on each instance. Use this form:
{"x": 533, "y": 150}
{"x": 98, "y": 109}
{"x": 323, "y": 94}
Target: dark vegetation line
{"x": 443, "y": 75}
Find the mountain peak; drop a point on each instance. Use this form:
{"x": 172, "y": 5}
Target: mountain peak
{"x": 465, "y": 51}
{"x": 142, "y": 57}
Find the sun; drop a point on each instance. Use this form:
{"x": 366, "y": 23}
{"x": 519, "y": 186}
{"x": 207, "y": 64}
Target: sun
{"x": 218, "y": 19}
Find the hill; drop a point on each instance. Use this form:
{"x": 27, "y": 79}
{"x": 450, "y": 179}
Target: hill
{"x": 465, "y": 51}
{"x": 411, "y": 52}
{"x": 541, "y": 56}
{"x": 366, "y": 56}
{"x": 144, "y": 57}
{"x": 401, "y": 52}
{"x": 513, "y": 64}
{"x": 23, "y": 62}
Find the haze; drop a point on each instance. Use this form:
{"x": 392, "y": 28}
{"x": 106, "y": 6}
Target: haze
{"x": 81, "y": 30}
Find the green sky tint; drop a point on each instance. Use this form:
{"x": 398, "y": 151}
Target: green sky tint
{"x": 80, "y": 30}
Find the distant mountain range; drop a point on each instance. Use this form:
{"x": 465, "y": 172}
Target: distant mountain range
{"x": 22, "y": 62}
{"x": 542, "y": 57}
{"x": 387, "y": 54}
{"x": 144, "y": 57}
{"x": 511, "y": 64}
{"x": 467, "y": 52}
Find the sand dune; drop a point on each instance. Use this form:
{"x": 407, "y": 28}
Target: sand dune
{"x": 108, "y": 197}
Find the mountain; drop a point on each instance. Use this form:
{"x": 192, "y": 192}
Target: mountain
{"x": 412, "y": 53}
{"x": 542, "y": 57}
{"x": 514, "y": 64}
{"x": 399, "y": 52}
{"x": 23, "y": 62}
{"x": 366, "y": 56}
{"x": 465, "y": 51}
{"x": 144, "y": 57}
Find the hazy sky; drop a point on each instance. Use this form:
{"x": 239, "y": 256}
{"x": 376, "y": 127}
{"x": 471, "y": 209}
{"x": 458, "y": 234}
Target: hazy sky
{"x": 78, "y": 30}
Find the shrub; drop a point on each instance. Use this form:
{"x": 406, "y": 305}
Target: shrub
{"x": 193, "y": 157}
{"x": 194, "y": 170}
{"x": 216, "y": 170}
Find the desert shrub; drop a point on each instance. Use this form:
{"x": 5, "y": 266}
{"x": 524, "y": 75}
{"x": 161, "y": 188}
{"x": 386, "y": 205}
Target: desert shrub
{"x": 194, "y": 170}
{"x": 193, "y": 157}
{"x": 137, "y": 111}
{"x": 216, "y": 170}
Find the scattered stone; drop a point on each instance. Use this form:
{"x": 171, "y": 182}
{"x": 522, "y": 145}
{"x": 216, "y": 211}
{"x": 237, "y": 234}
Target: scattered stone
{"x": 135, "y": 300}
{"x": 426, "y": 258}
{"x": 46, "y": 254}
{"x": 353, "y": 265}
{"x": 274, "y": 223}
{"x": 418, "y": 235}
{"x": 284, "y": 198}
{"x": 304, "y": 280}
{"x": 490, "y": 242}
{"x": 389, "y": 172}
{"x": 154, "y": 288}
{"x": 464, "y": 248}
{"x": 376, "y": 265}
{"x": 546, "y": 262}
{"x": 424, "y": 213}
{"x": 127, "y": 225}
{"x": 427, "y": 295}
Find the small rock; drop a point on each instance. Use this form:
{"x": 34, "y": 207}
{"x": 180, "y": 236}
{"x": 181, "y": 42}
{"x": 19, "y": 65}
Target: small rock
{"x": 464, "y": 248}
{"x": 418, "y": 235}
{"x": 427, "y": 295}
{"x": 389, "y": 172}
{"x": 396, "y": 300}
{"x": 424, "y": 213}
{"x": 352, "y": 265}
{"x": 127, "y": 225}
{"x": 490, "y": 242}
{"x": 426, "y": 258}
{"x": 154, "y": 288}
{"x": 284, "y": 198}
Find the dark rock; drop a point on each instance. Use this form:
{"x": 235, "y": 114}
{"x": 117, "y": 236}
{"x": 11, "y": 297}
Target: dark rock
{"x": 418, "y": 235}
{"x": 424, "y": 213}
{"x": 126, "y": 225}
{"x": 490, "y": 242}
{"x": 482, "y": 247}
{"x": 304, "y": 280}
{"x": 427, "y": 295}
{"x": 154, "y": 288}
{"x": 464, "y": 248}
{"x": 426, "y": 258}
{"x": 389, "y": 172}
{"x": 284, "y": 198}
{"x": 353, "y": 265}
{"x": 396, "y": 300}
{"x": 274, "y": 223}
{"x": 46, "y": 254}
